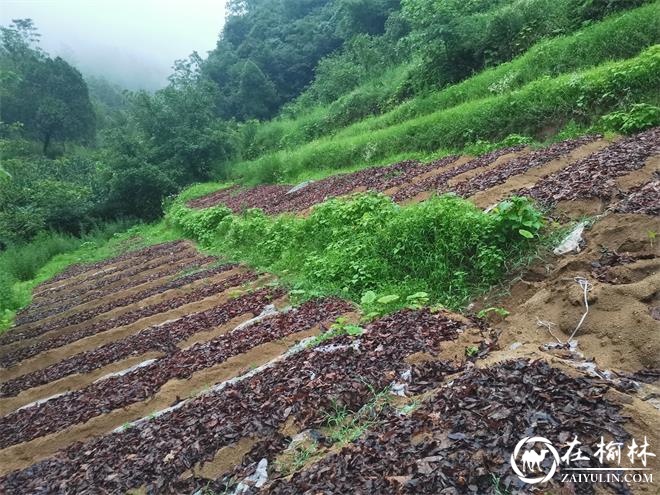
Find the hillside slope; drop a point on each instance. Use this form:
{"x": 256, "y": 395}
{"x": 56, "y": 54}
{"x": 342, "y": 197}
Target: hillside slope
{"x": 181, "y": 373}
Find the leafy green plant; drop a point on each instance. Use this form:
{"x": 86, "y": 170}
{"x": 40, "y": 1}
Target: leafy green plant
{"x": 640, "y": 116}
{"x": 368, "y": 249}
{"x": 651, "y": 234}
{"x": 498, "y": 311}
{"x": 471, "y": 350}
{"x": 340, "y": 327}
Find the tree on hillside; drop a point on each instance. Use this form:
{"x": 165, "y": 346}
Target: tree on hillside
{"x": 48, "y": 96}
{"x": 256, "y": 96}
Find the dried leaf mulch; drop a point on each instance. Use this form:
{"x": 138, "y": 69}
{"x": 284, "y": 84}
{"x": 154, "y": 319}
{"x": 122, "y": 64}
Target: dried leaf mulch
{"x": 85, "y": 315}
{"x": 517, "y": 166}
{"x": 144, "y": 253}
{"x": 140, "y": 384}
{"x": 97, "y": 282}
{"x": 438, "y": 183}
{"x": 463, "y": 437}
{"x": 17, "y": 355}
{"x": 643, "y": 199}
{"x": 163, "y": 338}
{"x": 595, "y": 176}
{"x": 170, "y": 266}
{"x": 304, "y": 385}
{"x": 377, "y": 179}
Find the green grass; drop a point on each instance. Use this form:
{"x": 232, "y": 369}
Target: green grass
{"x": 545, "y": 103}
{"x": 615, "y": 38}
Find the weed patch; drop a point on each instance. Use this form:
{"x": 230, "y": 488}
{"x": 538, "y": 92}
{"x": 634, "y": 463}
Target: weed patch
{"x": 370, "y": 250}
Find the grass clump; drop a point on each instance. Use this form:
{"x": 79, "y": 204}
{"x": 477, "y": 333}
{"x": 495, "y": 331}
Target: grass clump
{"x": 444, "y": 250}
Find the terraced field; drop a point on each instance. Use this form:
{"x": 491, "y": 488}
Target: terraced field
{"x": 166, "y": 371}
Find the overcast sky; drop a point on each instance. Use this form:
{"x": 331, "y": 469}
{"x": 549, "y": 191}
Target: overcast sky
{"x": 130, "y": 42}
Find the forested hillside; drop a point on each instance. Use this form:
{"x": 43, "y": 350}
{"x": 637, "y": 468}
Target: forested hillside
{"x": 302, "y": 88}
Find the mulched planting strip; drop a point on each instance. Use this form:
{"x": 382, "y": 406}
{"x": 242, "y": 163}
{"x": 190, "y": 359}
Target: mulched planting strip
{"x": 170, "y": 266}
{"x": 516, "y": 166}
{"x": 275, "y": 199}
{"x": 142, "y": 383}
{"x": 129, "y": 271}
{"x": 256, "y": 197}
{"x": 82, "y": 316}
{"x": 146, "y": 253}
{"x": 213, "y": 199}
{"x": 373, "y": 179}
{"x": 301, "y": 387}
{"x": 464, "y": 435}
{"x": 438, "y": 183}
{"x": 17, "y": 355}
{"x": 594, "y": 176}
{"x": 643, "y": 199}
{"x": 163, "y": 338}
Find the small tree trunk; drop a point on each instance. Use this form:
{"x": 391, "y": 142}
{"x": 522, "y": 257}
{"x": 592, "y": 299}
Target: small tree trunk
{"x": 46, "y": 143}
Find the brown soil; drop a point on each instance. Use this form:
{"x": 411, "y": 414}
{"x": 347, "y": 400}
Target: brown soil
{"x": 619, "y": 332}
{"x": 72, "y": 382}
{"x": 483, "y": 199}
{"x": 58, "y": 354}
{"x": 118, "y": 311}
{"x": 25, "y": 454}
{"x": 641, "y": 176}
{"x": 225, "y": 459}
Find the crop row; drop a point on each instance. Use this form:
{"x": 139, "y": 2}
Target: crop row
{"x": 140, "y": 384}
{"x": 17, "y": 355}
{"x": 438, "y": 182}
{"x": 81, "y": 287}
{"x": 275, "y": 199}
{"x": 82, "y": 316}
{"x": 148, "y": 252}
{"x": 502, "y": 172}
{"x": 300, "y": 387}
{"x": 594, "y": 176}
{"x": 168, "y": 266}
{"x": 163, "y": 338}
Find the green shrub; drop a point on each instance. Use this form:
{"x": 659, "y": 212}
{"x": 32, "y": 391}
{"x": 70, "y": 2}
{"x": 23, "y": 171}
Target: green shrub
{"x": 639, "y": 117}
{"x": 444, "y": 250}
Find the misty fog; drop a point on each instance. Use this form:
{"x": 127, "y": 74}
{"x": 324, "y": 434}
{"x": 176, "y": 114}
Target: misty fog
{"x": 132, "y": 43}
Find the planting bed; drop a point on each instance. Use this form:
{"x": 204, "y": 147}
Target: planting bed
{"x": 81, "y": 316}
{"x": 460, "y": 439}
{"x": 594, "y": 176}
{"x": 644, "y": 198}
{"x": 140, "y": 384}
{"x": 283, "y": 198}
{"x": 502, "y": 172}
{"x": 113, "y": 264}
{"x": 163, "y": 338}
{"x": 16, "y": 355}
{"x": 168, "y": 267}
{"x": 438, "y": 183}
{"x": 109, "y": 282}
{"x": 300, "y": 387}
